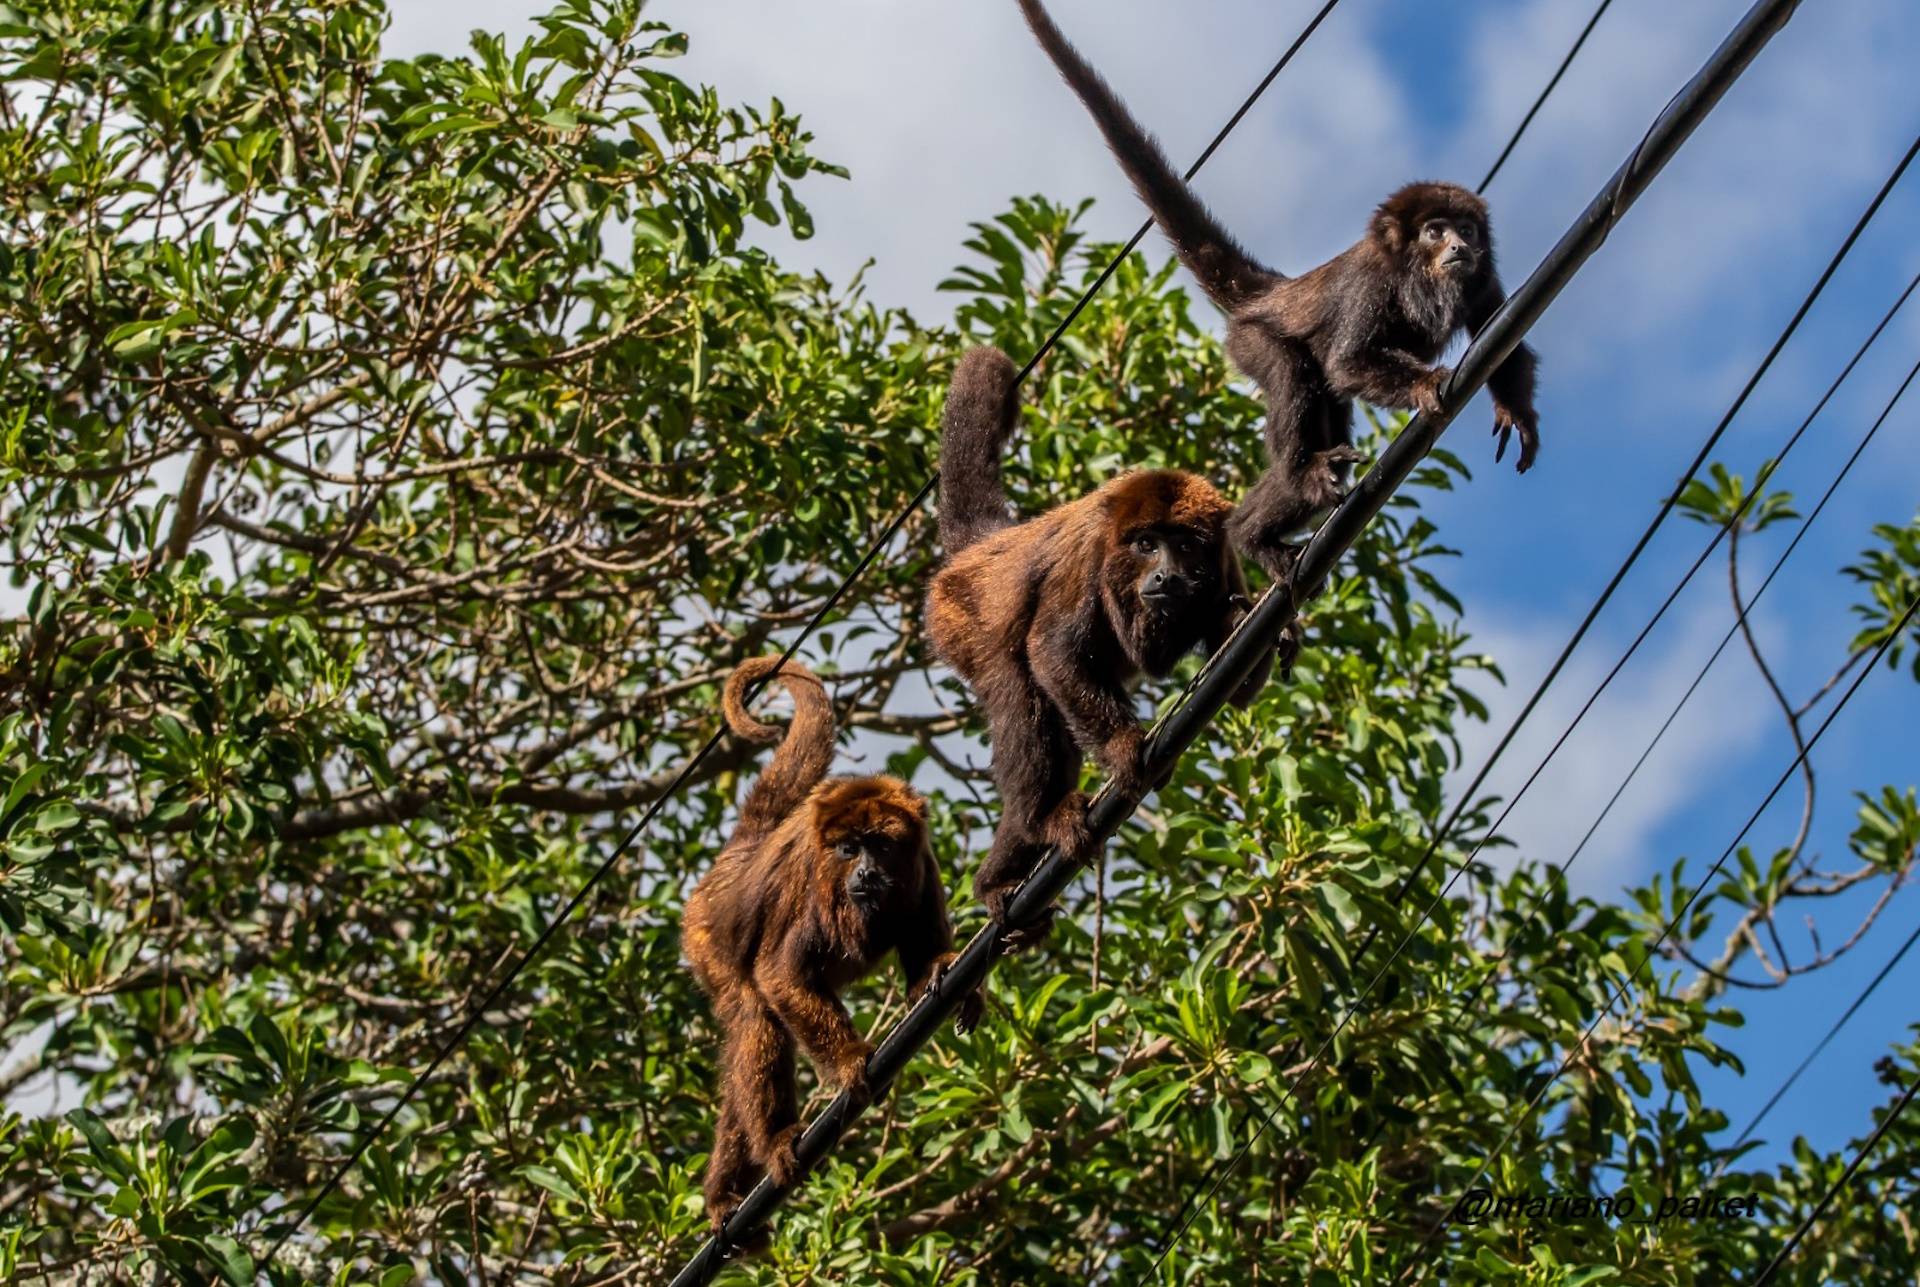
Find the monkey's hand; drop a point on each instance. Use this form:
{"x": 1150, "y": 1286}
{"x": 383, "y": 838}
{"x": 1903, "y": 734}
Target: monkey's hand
{"x": 850, "y": 1072}
{"x": 1123, "y": 757}
{"x": 1506, "y": 420}
{"x": 1292, "y": 637}
{"x": 782, "y": 1166}
{"x": 1016, "y": 937}
{"x": 1426, "y": 390}
{"x": 967, "y": 1016}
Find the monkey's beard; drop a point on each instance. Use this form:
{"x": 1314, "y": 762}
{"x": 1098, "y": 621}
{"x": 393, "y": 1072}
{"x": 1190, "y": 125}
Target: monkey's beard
{"x": 1159, "y": 632}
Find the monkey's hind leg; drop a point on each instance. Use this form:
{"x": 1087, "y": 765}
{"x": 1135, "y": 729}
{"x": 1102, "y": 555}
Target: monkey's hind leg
{"x": 1036, "y": 766}
{"x": 759, "y": 1073}
{"x": 731, "y": 1175}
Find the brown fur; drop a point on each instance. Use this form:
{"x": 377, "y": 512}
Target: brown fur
{"x": 1048, "y": 623}
{"x": 779, "y": 927}
{"x": 1369, "y": 323}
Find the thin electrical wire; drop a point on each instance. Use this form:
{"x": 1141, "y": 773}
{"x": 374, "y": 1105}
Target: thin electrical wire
{"x": 1806, "y": 526}
{"x": 1546, "y": 93}
{"x": 1780, "y": 1091}
{"x": 1846, "y": 1178}
{"x": 493, "y": 994}
{"x": 1218, "y": 1173}
{"x": 1898, "y": 630}
{"x": 1468, "y": 1002}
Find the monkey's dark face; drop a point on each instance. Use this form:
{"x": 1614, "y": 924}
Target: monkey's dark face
{"x": 1451, "y": 247}
{"x": 874, "y": 859}
{"x": 1172, "y": 568}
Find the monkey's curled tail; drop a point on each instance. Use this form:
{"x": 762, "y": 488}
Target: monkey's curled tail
{"x": 980, "y": 415}
{"x": 805, "y": 751}
{"x": 1228, "y": 274}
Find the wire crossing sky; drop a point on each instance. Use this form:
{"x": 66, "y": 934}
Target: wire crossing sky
{"x": 1249, "y": 645}
{"x": 573, "y": 904}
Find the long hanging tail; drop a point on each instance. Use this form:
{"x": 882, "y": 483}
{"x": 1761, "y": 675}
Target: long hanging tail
{"x": 980, "y": 415}
{"x": 1225, "y": 270}
{"x": 805, "y": 751}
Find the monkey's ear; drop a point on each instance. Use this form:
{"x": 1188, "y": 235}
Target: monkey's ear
{"x": 1388, "y": 230}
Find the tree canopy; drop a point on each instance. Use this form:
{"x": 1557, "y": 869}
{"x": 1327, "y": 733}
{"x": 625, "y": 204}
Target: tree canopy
{"x": 396, "y": 455}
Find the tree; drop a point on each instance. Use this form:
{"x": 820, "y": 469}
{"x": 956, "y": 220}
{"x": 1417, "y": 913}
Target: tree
{"x": 398, "y": 454}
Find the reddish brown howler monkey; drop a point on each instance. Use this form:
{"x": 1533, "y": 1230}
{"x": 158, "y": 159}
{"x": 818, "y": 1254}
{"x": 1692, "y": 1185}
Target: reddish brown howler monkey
{"x": 1051, "y": 620}
{"x": 1368, "y": 323}
{"x": 820, "y": 880}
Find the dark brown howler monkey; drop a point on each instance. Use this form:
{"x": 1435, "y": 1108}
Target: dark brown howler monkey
{"x": 1368, "y": 323}
{"x": 1050, "y": 621}
{"x": 820, "y": 880}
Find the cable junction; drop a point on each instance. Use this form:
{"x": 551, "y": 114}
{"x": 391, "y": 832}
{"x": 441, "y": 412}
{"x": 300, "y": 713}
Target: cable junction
{"x": 1228, "y": 668}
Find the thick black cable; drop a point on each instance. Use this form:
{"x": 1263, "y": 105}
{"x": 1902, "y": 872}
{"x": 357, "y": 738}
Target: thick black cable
{"x": 1218, "y": 1173}
{"x": 1886, "y": 1123}
{"x": 1546, "y": 93}
{"x": 1896, "y": 632}
{"x": 474, "y": 1015}
{"x": 1813, "y": 1054}
{"x": 1251, "y": 645}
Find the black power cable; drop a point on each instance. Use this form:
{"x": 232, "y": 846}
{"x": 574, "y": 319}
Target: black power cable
{"x": 1228, "y": 668}
{"x": 1646, "y": 958}
{"x": 552, "y": 928}
{"x": 1218, "y": 1173}
{"x": 1833, "y": 1191}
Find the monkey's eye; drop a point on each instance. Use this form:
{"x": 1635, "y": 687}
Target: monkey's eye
{"x": 1431, "y": 232}
{"x": 1145, "y": 544}
{"x": 848, "y": 849}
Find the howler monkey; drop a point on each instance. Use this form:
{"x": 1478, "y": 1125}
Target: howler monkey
{"x": 820, "y": 880}
{"x": 1049, "y": 621}
{"x": 1368, "y": 323}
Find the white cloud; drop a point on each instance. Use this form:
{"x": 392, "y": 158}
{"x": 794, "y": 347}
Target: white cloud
{"x": 1707, "y": 742}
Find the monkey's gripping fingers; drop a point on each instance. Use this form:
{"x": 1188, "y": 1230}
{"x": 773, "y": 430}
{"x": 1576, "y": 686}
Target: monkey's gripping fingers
{"x": 1506, "y": 420}
{"x": 967, "y": 1017}
{"x": 1124, "y": 760}
{"x": 783, "y": 1168}
{"x": 1426, "y": 390}
{"x": 1287, "y": 651}
{"x": 850, "y": 1072}
{"x": 1016, "y": 938}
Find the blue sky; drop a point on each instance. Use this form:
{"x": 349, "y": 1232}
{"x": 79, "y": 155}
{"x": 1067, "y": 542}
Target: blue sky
{"x": 944, "y": 111}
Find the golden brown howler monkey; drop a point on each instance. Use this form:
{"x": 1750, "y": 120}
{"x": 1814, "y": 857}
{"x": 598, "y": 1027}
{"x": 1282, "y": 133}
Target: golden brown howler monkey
{"x": 1369, "y": 323}
{"x": 1049, "y": 621}
{"x": 820, "y": 880}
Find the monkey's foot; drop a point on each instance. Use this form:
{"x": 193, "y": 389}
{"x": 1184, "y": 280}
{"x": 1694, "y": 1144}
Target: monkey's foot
{"x": 783, "y": 1167}
{"x": 1506, "y": 421}
{"x": 1017, "y": 938}
{"x": 1066, "y": 827}
{"x": 850, "y": 1073}
{"x": 753, "y": 1242}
